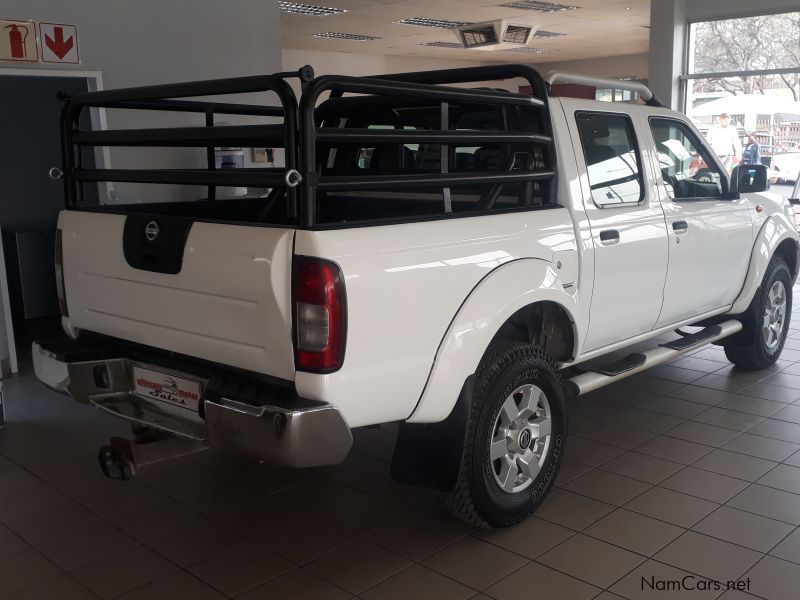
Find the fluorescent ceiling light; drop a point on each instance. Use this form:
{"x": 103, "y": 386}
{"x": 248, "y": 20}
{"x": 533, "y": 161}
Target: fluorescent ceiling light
{"x": 547, "y": 34}
{"x": 442, "y": 45}
{"x": 425, "y": 22}
{"x": 356, "y": 37}
{"x": 537, "y": 6}
{"x": 297, "y": 8}
{"x": 527, "y": 49}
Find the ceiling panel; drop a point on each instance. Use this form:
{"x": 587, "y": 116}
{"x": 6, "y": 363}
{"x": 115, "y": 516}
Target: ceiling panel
{"x": 596, "y": 28}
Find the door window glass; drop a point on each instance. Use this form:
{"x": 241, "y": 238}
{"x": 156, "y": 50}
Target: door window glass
{"x": 612, "y": 158}
{"x": 685, "y": 163}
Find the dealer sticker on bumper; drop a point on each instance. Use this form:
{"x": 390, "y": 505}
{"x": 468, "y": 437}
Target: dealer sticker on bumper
{"x": 155, "y": 385}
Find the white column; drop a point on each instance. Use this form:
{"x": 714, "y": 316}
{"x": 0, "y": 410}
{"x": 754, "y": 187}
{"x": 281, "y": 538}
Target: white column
{"x": 668, "y": 34}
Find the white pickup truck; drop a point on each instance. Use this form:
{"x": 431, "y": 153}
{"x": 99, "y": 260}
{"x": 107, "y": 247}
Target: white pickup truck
{"x": 434, "y": 253}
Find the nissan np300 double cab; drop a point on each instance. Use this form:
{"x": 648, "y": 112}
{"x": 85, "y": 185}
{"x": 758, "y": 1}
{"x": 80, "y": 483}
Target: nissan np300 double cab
{"x": 447, "y": 257}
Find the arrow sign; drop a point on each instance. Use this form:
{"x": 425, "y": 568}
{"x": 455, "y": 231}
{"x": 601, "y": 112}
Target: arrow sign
{"x": 59, "y": 43}
{"x": 59, "y": 46}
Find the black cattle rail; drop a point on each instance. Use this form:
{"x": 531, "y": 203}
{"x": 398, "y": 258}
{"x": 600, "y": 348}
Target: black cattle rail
{"x": 424, "y": 86}
{"x": 168, "y": 97}
{"x": 303, "y": 129}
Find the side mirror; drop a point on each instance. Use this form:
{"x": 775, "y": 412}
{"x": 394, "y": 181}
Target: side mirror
{"x": 749, "y": 178}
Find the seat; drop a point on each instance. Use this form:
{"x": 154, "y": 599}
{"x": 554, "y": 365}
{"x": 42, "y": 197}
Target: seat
{"x": 490, "y": 159}
{"x": 464, "y": 162}
{"x": 385, "y": 158}
{"x": 429, "y": 157}
{"x": 390, "y": 158}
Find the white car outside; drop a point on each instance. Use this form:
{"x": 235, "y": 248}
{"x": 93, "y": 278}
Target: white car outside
{"x": 786, "y": 166}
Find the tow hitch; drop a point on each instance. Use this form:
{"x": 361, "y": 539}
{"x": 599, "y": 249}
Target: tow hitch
{"x": 122, "y": 457}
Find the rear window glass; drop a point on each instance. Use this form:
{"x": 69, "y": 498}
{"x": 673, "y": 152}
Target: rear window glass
{"x": 612, "y": 158}
{"x": 387, "y": 158}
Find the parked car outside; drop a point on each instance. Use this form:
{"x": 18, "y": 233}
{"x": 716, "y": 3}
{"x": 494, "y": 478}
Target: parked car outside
{"x": 786, "y": 166}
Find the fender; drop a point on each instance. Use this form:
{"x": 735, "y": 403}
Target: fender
{"x": 490, "y": 304}
{"x": 776, "y": 229}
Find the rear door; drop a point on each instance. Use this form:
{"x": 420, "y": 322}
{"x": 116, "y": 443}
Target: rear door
{"x": 626, "y": 222}
{"x": 215, "y": 291}
{"x": 710, "y": 237}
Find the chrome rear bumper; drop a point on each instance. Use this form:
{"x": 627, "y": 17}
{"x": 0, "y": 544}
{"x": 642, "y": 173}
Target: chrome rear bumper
{"x": 309, "y": 435}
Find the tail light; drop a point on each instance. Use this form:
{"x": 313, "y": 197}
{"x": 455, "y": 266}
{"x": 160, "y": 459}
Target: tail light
{"x": 320, "y": 313}
{"x": 62, "y": 296}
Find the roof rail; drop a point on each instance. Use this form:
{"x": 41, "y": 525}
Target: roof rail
{"x": 605, "y": 83}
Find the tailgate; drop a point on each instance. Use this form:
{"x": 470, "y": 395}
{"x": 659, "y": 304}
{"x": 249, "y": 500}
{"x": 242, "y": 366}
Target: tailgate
{"x": 229, "y": 300}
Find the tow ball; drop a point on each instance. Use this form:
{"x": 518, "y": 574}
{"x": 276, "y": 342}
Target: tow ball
{"x": 122, "y": 457}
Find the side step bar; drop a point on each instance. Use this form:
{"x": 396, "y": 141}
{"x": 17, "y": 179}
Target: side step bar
{"x": 623, "y": 365}
{"x": 592, "y": 380}
{"x": 694, "y": 339}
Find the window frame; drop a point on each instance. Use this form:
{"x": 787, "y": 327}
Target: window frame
{"x": 636, "y": 146}
{"x": 700, "y": 143}
{"x": 689, "y": 73}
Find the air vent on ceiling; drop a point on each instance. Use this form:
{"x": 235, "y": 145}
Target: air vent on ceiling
{"x": 547, "y": 34}
{"x": 297, "y": 8}
{"x": 442, "y": 45}
{"x": 536, "y": 6}
{"x": 425, "y": 22}
{"x": 494, "y": 35}
{"x": 354, "y": 37}
{"x": 516, "y": 34}
{"x": 476, "y": 36}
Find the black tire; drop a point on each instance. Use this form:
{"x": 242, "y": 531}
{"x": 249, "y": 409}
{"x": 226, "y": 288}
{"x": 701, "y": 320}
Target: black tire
{"x": 756, "y": 354}
{"x": 477, "y": 497}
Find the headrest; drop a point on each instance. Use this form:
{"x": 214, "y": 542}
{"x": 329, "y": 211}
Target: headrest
{"x": 598, "y": 131}
{"x": 384, "y": 158}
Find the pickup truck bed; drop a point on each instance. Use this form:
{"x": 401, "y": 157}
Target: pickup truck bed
{"x": 215, "y": 281}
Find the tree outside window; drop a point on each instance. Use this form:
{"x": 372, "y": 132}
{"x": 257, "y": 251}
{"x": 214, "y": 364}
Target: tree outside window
{"x": 749, "y": 69}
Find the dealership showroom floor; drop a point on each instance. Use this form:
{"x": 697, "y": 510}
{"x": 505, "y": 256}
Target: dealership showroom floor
{"x": 690, "y": 469}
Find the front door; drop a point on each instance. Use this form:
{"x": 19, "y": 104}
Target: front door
{"x": 710, "y": 237}
{"x": 627, "y": 225}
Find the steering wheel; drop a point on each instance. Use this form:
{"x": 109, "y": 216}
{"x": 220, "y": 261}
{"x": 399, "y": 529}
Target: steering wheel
{"x": 704, "y": 176}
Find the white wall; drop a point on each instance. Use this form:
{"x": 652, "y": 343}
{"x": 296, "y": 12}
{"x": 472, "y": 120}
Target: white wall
{"x": 372, "y": 64}
{"x": 157, "y": 41}
{"x": 344, "y": 63}
{"x": 608, "y": 66}
{"x": 667, "y": 46}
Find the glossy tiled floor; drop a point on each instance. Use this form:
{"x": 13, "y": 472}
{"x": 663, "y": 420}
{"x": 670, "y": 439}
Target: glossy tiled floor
{"x": 693, "y": 468}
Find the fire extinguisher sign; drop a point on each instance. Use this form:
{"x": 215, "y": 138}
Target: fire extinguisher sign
{"x": 18, "y": 41}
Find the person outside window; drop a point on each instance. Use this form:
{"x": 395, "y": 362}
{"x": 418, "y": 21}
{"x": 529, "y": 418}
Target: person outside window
{"x": 725, "y": 142}
{"x": 752, "y": 151}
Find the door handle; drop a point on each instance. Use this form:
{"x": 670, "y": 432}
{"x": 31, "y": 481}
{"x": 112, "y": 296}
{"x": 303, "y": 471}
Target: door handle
{"x": 680, "y": 227}
{"x": 609, "y": 236}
